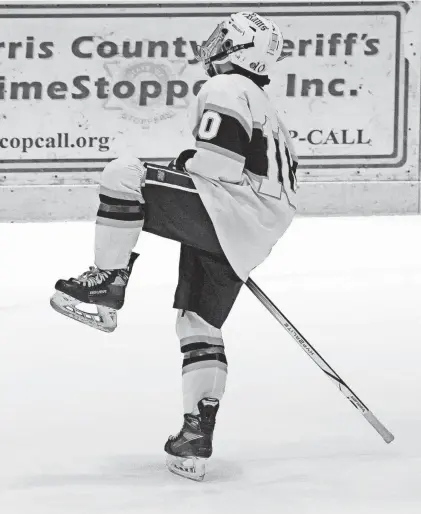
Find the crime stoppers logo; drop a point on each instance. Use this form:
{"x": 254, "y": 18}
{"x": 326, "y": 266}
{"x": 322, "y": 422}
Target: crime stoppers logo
{"x": 147, "y": 92}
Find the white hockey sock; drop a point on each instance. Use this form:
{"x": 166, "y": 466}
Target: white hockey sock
{"x": 204, "y": 382}
{"x": 204, "y": 365}
{"x": 113, "y": 245}
{"x": 120, "y": 214}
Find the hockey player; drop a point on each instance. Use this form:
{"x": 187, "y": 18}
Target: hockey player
{"x": 227, "y": 202}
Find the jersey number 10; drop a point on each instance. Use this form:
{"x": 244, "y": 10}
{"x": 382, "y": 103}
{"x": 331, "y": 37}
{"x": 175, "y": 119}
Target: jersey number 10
{"x": 275, "y": 161}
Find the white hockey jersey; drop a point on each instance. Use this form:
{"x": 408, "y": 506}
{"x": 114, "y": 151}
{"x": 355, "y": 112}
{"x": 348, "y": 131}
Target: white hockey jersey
{"x": 244, "y": 168}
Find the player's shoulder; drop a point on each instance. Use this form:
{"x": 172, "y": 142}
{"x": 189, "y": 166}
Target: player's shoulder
{"x": 231, "y": 85}
{"x": 225, "y": 95}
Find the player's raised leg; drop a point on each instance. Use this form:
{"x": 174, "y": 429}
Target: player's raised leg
{"x": 204, "y": 377}
{"x": 118, "y": 225}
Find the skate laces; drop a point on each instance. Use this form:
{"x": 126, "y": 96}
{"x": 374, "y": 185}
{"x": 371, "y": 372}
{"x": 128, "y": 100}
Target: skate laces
{"x": 94, "y": 276}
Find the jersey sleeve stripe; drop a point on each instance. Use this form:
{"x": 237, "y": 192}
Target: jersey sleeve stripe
{"x": 233, "y": 114}
{"x": 221, "y": 151}
{"x": 229, "y": 135}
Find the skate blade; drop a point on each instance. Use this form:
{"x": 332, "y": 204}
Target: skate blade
{"x": 105, "y": 319}
{"x": 187, "y": 467}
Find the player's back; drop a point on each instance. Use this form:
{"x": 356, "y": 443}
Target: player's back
{"x": 243, "y": 169}
{"x": 270, "y": 154}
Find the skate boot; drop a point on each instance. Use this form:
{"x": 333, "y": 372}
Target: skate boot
{"x": 105, "y": 289}
{"x": 189, "y": 449}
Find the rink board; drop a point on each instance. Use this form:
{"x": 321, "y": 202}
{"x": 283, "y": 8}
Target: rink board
{"x": 66, "y": 202}
{"x": 349, "y": 92}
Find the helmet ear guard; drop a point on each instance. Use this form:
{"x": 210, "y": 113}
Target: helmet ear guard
{"x": 227, "y": 44}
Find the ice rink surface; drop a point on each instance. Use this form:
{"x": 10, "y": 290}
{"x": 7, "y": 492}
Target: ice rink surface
{"x": 84, "y": 415}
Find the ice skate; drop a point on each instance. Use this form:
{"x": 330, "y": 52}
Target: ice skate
{"x": 105, "y": 289}
{"x": 192, "y": 446}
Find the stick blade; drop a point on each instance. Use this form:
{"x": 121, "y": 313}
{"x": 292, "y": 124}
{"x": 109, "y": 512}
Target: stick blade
{"x": 379, "y": 427}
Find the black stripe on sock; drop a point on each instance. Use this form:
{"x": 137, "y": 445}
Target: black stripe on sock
{"x": 117, "y": 201}
{"x": 209, "y": 357}
{"x": 121, "y": 216}
{"x": 119, "y": 208}
{"x": 198, "y": 346}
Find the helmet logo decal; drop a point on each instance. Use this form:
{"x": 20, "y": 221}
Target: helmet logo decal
{"x": 253, "y": 17}
{"x": 258, "y": 66}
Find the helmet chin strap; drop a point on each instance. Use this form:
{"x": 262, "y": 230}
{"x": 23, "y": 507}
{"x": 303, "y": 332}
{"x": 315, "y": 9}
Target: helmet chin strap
{"x": 228, "y": 51}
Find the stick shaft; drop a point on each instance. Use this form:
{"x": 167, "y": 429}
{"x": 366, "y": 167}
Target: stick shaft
{"x": 320, "y": 361}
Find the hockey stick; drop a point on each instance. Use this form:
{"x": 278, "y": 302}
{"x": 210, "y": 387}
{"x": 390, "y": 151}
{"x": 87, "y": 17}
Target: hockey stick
{"x": 318, "y": 359}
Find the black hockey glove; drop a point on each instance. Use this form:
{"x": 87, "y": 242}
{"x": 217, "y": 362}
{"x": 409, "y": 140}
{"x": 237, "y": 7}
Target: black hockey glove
{"x": 180, "y": 162}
